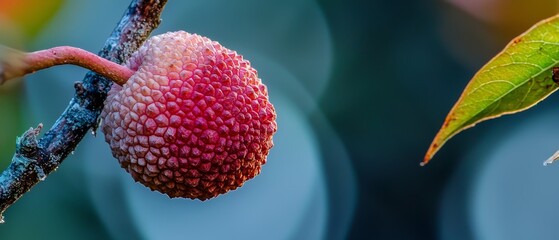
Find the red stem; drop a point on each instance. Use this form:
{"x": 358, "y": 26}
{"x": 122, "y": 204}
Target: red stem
{"x": 38, "y": 60}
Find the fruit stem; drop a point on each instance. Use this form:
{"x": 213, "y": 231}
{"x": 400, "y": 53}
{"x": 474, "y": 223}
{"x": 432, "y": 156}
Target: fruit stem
{"x": 17, "y": 64}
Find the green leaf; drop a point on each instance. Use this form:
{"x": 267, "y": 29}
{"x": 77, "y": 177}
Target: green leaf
{"x": 516, "y": 79}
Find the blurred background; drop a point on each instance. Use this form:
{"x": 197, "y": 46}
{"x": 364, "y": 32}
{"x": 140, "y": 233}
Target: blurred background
{"x": 360, "y": 87}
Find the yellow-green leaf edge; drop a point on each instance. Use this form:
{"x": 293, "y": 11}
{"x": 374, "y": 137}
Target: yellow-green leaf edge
{"x": 514, "y": 80}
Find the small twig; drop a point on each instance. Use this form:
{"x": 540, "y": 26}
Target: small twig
{"x": 19, "y": 64}
{"x": 551, "y": 159}
{"x": 36, "y": 158}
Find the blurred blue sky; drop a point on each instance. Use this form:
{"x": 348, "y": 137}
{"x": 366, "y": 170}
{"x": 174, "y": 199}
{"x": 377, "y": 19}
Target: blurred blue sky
{"x": 360, "y": 88}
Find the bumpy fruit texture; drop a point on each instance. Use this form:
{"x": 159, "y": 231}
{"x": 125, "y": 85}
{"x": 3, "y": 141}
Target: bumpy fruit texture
{"x": 194, "y": 121}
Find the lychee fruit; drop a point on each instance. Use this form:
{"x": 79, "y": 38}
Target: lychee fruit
{"x": 193, "y": 121}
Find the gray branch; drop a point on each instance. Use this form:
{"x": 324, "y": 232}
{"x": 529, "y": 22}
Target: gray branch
{"x": 35, "y": 158}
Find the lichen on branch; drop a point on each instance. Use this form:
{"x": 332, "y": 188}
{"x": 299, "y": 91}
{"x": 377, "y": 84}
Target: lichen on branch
{"x": 35, "y": 156}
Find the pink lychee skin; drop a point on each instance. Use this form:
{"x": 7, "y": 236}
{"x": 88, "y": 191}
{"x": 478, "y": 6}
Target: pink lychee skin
{"x": 194, "y": 121}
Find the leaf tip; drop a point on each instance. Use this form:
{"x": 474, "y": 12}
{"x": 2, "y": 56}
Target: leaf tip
{"x": 430, "y": 153}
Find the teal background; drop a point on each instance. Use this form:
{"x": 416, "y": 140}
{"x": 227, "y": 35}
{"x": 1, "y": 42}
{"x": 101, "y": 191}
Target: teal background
{"x": 360, "y": 87}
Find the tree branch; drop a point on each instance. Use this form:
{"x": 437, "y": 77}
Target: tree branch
{"x": 35, "y": 158}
